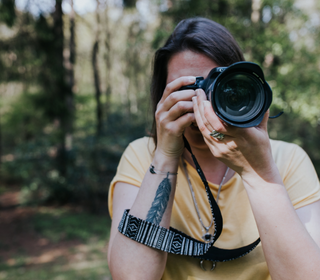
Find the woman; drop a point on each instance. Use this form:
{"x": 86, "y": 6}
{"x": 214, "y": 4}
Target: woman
{"x": 266, "y": 188}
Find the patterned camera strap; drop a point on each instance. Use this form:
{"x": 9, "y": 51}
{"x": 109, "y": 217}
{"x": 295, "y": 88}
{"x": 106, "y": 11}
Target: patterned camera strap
{"x": 176, "y": 242}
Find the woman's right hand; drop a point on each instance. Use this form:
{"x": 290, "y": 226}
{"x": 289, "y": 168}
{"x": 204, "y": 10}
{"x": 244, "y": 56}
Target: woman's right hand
{"x": 174, "y": 113}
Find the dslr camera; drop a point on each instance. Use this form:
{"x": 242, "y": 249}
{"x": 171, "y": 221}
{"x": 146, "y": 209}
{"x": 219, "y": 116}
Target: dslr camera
{"x": 239, "y": 94}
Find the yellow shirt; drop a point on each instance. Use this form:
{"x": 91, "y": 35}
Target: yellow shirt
{"x": 239, "y": 227}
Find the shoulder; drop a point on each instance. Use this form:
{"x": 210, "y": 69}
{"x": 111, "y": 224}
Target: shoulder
{"x": 133, "y": 164}
{"x": 297, "y": 172}
{"x": 279, "y": 147}
{"x": 140, "y": 148}
{"x": 292, "y": 160}
{"x": 143, "y": 144}
{"x": 284, "y": 152}
{"x": 138, "y": 153}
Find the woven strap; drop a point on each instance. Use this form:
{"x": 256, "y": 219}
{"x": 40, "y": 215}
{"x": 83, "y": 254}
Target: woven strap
{"x": 167, "y": 240}
{"x": 176, "y": 242}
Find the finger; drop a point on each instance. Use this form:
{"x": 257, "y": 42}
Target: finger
{"x": 212, "y": 118}
{"x": 177, "y": 118}
{"x": 185, "y": 121}
{"x": 176, "y": 85}
{"x": 209, "y": 117}
{"x": 175, "y": 97}
{"x": 264, "y": 123}
{"x": 180, "y": 109}
{"x": 201, "y": 99}
{"x": 178, "y": 126}
{"x": 203, "y": 128}
{"x": 198, "y": 118}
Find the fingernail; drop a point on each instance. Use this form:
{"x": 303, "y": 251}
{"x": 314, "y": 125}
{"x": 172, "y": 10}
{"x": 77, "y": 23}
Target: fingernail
{"x": 192, "y": 79}
{"x": 206, "y": 103}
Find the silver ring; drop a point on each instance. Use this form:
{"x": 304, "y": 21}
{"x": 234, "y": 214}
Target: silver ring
{"x": 217, "y": 135}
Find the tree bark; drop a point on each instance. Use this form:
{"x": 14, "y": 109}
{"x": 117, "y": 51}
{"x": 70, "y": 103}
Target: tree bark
{"x": 96, "y": 73}
{"x": 71, "y": 78}
{"x": 107, "y": 58}
{"x": 61, "y": 89}
{"x": 0, "y": 148}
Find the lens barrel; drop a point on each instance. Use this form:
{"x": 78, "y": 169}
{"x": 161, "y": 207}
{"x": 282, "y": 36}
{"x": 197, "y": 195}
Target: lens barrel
{"x": 239, "y": 94}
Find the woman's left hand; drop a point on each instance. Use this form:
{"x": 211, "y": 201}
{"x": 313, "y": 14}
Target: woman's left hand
{"x": 246, "y": 150}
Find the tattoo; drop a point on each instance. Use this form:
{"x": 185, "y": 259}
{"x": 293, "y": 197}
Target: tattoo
{"x": 160, "y": 202}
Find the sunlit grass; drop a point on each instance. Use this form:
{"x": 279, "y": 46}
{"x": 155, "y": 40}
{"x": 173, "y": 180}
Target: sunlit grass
{"x": 85, "y": 258}
{"x": 57, "y": 224}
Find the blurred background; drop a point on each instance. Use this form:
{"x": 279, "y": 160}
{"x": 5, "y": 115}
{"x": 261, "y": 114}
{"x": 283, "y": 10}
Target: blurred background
{"x": 74, "y": 91}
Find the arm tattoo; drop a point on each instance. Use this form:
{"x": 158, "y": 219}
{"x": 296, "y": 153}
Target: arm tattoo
{"x": 160, "y": 202}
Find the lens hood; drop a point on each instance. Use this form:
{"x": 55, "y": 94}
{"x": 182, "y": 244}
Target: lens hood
{"x": 239, "y": 94}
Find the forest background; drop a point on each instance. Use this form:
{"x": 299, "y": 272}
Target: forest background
{"x": 74, "y": 88}
{"x": 74, "y": 91}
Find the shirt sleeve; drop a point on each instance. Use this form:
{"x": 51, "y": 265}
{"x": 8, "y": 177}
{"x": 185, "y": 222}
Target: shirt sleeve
{"x": 298, "y": 174}
{"x": 133, "y": 166}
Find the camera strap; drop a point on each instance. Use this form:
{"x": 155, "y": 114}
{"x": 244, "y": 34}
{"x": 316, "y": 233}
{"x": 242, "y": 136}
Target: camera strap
{"x": 176, "y": 242}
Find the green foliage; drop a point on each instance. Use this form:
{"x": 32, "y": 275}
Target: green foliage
{"x": 57, "y": 225}
{"x": 18, "y": 57}
{"x": 35, "y": 128}
{"x": 25, "y": 120}
{"x": 129, "y": 3}
{"x": 91, "y": 164}
{"x": 161, "y": 34}
{"x": 7, "y": 12}
{"x": 51, "y": 78}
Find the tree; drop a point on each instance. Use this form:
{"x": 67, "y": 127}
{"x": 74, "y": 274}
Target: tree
{"x": 96, "y": 73}
{"x": 56, "y": 89}
{"x": 70, "y": 67}
{"x": 107, "y": 57}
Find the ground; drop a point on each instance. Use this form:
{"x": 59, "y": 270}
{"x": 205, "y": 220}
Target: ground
{"x": 51, "y": 242}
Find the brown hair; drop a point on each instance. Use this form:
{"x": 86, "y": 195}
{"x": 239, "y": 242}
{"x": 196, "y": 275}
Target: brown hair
{"x": 200, "y": 35}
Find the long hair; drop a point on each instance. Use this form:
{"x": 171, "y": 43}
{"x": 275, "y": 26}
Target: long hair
{"x": 199, "y": 35}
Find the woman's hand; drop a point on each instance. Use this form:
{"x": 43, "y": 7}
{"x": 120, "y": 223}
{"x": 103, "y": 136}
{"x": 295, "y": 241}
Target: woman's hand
{"x": 245, "y": 150}
{"x": 174, "y": 113}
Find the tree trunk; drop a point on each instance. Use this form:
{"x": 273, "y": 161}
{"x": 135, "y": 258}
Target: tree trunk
{"x": 107, "y": 58}
{"x": 96, "y": 73}
{"x": 0, "y": 148}
{"x": 60, "y": 87}
{"x": 70, "y": 78}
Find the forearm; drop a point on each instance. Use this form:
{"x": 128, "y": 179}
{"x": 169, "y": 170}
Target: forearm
{"x": 157, "y": 192}
{"x": 130, "y": 260}
{"x": 153, "y": 203}
{"x": 289, "y": 250}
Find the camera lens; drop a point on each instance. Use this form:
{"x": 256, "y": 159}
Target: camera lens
{"x": 239, "y": 97}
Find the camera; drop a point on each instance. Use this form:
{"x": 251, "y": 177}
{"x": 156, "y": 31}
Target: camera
{"x": 239, "y": 94}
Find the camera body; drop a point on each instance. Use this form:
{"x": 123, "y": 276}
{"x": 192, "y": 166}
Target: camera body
{"x": 239, "y": 94}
